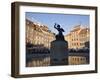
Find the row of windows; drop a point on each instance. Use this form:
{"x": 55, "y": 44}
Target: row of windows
{"x": 82, "y": 44}
{"x": 84, "y": 39}
{"x": 78, "y": 59}
{"x": 44, "y": 62}
{"x": 38, "y": 42}
{"x": 74, "y": 39}
{"x": 31, "y": 31}
{"x": 81, "y": 39}
{"x": 76, "y": 44}
{"x": 32, "y": 37}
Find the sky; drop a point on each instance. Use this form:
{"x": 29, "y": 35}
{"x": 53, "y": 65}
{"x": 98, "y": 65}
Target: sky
{"x": 66, "y": 21}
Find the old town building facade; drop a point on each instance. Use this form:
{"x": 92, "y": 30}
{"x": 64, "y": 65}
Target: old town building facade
{"x": 78, "y": 37}
{"x": 38, "y": 34}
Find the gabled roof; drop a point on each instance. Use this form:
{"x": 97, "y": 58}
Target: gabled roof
{"x": 84, "y": 31}
{"x": 76, "y": 28}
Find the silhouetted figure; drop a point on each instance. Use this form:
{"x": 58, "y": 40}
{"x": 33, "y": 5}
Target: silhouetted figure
{"x": 60, "y": 30}
{"x": 59, "y": 48}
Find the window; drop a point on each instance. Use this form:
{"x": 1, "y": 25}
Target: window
{"x": 74, "y": 44}
{"x": 77, "y": 59}
{"x": 81, "y": 59}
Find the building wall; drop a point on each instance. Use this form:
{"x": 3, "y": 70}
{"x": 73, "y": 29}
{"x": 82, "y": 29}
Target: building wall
{"x": 77, "y": 37}
{"x": 76, "y": 60}
{"x": 84, "y": 37}
{"x": 38, "y": 63}
{"x": 38, "y": 34}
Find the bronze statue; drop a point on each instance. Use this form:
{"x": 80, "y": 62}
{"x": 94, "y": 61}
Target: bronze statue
{"x": 60, "y": 30}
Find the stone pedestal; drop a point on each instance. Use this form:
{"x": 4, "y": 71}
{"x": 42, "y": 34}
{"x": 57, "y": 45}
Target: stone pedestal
{"x": 59, "y": 51}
